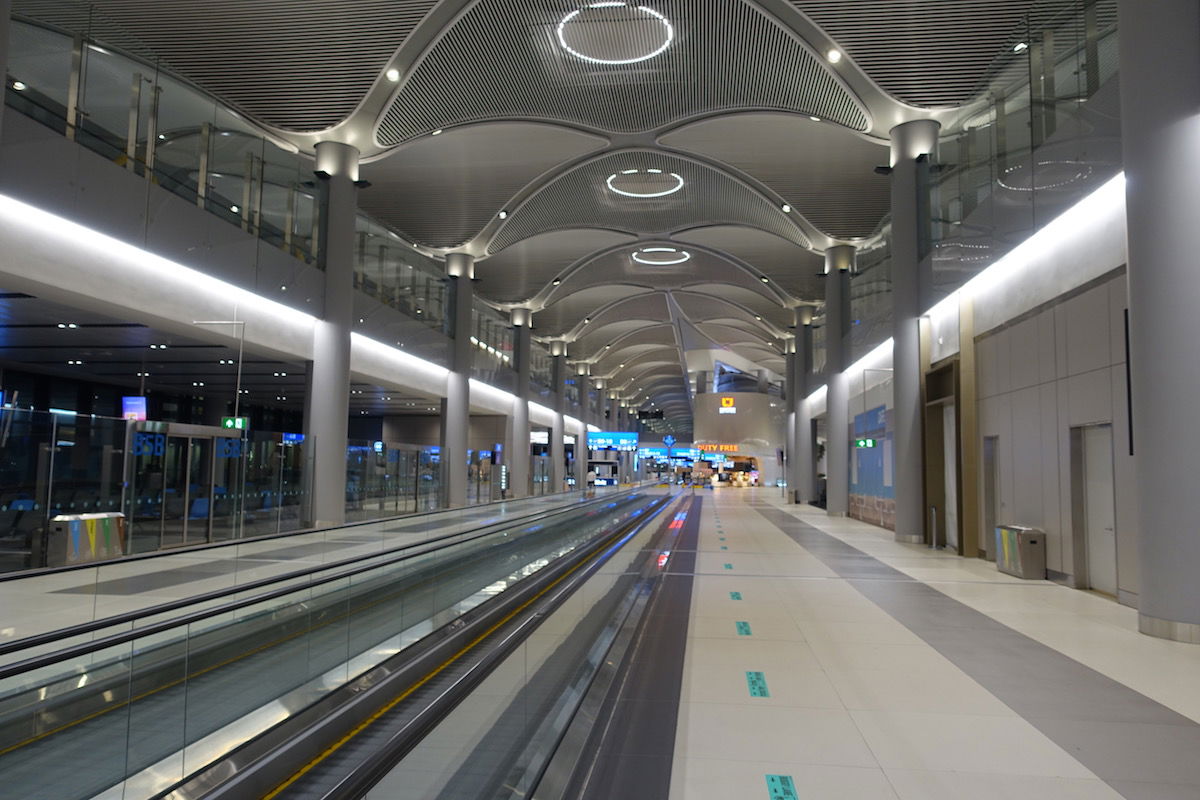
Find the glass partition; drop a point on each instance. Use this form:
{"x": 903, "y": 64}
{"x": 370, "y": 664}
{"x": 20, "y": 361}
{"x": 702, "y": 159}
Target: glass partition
{"x": 389, "y": 270}
{"x": 386, "y": 479}
{"x": 492, "y": 337}
{"x": 1048, "y": 135}
{"x": 541, "y": 373}
{"x": 871, "y": 299}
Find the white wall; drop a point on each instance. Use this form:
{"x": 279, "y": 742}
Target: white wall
{"x": 1061, "y": 367}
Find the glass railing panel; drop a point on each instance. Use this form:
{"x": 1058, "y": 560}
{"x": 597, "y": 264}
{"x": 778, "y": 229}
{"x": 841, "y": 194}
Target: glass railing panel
{"x": 870, "y": 300}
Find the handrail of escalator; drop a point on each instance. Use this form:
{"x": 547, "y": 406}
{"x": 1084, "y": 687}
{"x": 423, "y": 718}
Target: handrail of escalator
{"x": 400, "y": 553}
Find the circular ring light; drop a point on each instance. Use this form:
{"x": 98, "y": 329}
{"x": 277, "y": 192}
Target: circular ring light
{"x": 661, "y": 256}
{"x": 644, "y": 183}
{"x": 602, "y": 12}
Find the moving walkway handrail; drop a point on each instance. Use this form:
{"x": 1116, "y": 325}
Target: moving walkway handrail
{"x": 401, "y": 553}
{"x": 265, "y": 537}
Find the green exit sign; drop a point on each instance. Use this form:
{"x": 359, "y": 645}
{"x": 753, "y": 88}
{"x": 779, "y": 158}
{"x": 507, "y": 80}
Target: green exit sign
{"x": 864, "y": 442}
{"x": 236, "y": 423}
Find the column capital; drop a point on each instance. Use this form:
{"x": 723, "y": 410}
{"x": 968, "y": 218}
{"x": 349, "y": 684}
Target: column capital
{"x": 802, "y": 316}
{"x": 337, "y": 159}
{"x": 521, "y": 317}
{"x": 914, "y": 138}
{"x": 460, "y": 265}
{"x": 840, "y": 257}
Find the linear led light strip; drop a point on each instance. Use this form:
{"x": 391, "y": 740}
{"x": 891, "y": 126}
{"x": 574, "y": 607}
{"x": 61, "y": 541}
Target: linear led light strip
{"x": 672, "y": 190}
{"x": 562, "y": 40}
{"x": 1079, "y": 216}
{"x": 684, "y": 255}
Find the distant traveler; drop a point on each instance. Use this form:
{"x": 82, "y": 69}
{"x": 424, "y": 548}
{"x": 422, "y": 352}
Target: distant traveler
{"x": 590, "y": 479}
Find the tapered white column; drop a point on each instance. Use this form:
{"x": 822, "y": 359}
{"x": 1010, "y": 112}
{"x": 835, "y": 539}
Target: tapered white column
{"x": 1160, "y": 127}
{"x": 839, "y": 263}
{"x": 558, "y": 450}
{"x": 911, "y": 142}
{"x": 456, "y": 408}
{"x": 327, "y": 412}
{"x": 518, "y": 456}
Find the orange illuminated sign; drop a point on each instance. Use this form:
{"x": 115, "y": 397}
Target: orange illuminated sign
{"x": 719, "y": 448}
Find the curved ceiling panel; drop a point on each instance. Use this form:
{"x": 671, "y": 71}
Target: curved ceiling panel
{"x": 581, "y": 197}
{"x": 746, "y": 299}
{"x": 829, "y": 175}
{"x": 567, "y": 312}
{"x": 295, "y": 64}
{"x": 929, "y": 52}
{"x": 793, "y": 269}
{"x": 493, "y": 42}
{"x": 703, "y": 307}
{"x": 522, "y": 270}
{"x": 701, "y": 266}
{"x": 441, "y": 191}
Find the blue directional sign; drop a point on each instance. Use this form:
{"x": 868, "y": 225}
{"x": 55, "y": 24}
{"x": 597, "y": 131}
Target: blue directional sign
{"x": 669, "y": 440}
{"x": 612, "y": 440}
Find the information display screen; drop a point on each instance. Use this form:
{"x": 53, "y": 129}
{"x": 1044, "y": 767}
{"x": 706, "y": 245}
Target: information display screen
{"x": 612, "y": 440}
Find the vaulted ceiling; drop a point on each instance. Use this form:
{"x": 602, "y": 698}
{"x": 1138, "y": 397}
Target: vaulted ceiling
{"x": 637, "y": 173}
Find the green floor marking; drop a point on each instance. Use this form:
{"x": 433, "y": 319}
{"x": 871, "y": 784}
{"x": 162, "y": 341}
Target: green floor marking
{"x": 735, "y": 595}
{"x": 743, "y": 628}
{"x": 781, "y": 787}
{"x": 729, "y": 566}
{"x": 723, "y": 547}
{"x": 757, "y": 683}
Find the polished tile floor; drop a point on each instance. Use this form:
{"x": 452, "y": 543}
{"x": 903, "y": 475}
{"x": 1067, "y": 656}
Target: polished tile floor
{"x": 892, "y": 671}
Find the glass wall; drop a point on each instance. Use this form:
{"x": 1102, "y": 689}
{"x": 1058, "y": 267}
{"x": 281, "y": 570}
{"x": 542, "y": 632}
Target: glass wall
{"x": 1048, "y": 135}
{"x": 871, "y": 299}
{"x": 386, "y": 479}
{"x": 389, "y": 270}
{"x": 541, "y": 373}
{"x": 492, "y": 336}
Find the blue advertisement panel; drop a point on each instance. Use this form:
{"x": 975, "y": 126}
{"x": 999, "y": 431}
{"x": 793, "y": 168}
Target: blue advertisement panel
{"x": 614, "y": 440}
{"x": 133, "y": 408}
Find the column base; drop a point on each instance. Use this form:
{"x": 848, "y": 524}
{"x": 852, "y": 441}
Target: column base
{"x": 1188, "y": 632}
{"x": 910, "y": 538}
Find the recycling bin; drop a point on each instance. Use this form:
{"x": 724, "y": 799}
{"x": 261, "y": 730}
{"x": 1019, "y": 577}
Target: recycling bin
{"x": 1021, "y": 551}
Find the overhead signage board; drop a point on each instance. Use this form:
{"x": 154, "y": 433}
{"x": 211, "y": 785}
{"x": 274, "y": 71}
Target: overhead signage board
{"x": 613, "y": 440}
{"x": 133, "y": 408}
{"x": 235, "y": 423}
{"x": 652, "y": 452}
{"x": 539, "y": 437}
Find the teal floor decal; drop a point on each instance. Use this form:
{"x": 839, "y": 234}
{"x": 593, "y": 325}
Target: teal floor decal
{"x": 781, "y": 787}
{"x": 758, "y": 684}
{"x": 735, "y": 595}
{"x": 743, "y": 628}
{"x": 729, "y": 566}
{"x": 723, "y": 547}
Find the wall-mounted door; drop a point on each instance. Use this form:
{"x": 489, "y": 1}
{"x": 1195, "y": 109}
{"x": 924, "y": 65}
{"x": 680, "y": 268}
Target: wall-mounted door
{"x": 1100, "y": 526}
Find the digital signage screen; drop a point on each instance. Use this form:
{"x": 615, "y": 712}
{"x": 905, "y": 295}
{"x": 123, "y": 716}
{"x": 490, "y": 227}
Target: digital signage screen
{"x": 612, "y": 440}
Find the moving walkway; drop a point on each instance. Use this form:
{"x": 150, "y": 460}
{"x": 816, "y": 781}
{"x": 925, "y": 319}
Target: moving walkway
{"x": 321, "y": 688}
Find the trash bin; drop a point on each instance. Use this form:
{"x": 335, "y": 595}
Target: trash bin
{"x": 83, "y": 538}
{"x": 1021, "y": 551}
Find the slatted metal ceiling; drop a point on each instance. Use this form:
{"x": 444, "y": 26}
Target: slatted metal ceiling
{"x": 929, "y": 53}
{"x": 503, "y": 60}
{"x": 521, "y": 271}
{"x": 581, "y": 198}
{"x": 827, "y": 175}
{"x": 618, "y": 267}
{"x": 792, "y": 268}
{"x": 442, "y": 190}
{"x": 297, "y": 64}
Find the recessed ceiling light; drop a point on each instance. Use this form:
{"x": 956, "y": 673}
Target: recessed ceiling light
{"x": 503, "y": 215}
{"x": 660, "y": 256}
{"x": 556, "y": 281}
{"x": 815, "y": 119}
{"x": 586, "y": 320}
{"x": 393, "y": 74}
{"x": 786, "y": 208}
{"x": 438, "y": 132}
{"x": 604, "y": 12}
{"x": 20, "y": 86}
{"x": 639, "y": 183}
{"x": 834, "y": 56}
{"x": 1020, "y": 47}
{"x": 765, "y": 279}
{"x": 234, "y": 209}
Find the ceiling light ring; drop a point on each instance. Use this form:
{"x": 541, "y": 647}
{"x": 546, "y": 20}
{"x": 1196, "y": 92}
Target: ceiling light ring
{"x": 679, "y": 182}
{"x": 562, "y": 39}
{"x": 684, "y": 256}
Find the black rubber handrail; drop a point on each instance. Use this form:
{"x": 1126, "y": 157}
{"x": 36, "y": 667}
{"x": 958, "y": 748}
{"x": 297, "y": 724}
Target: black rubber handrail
{"x": 82, "y": 628}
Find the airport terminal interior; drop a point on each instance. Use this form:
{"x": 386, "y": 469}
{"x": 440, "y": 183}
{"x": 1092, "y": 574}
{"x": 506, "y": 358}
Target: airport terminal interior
{"x": 598, "y": 399}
